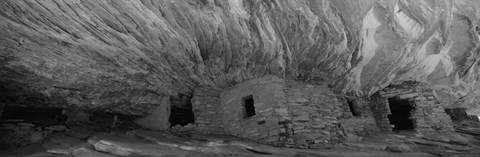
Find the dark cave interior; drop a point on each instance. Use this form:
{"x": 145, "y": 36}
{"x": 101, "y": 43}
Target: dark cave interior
{"x": 38, "y": 116}
{"x": 181, "y": 110}
{"x": 400, "y": 114}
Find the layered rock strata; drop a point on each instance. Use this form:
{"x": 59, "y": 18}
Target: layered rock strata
{"x": 123, "y": 56}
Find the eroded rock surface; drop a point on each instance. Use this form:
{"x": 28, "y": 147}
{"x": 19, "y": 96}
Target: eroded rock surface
{"x": 155, "y": 143}
{"x": 123, "y": 56}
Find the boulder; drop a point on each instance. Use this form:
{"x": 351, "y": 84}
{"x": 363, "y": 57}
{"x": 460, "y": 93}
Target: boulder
{"x": 398, "y": 148}
{"x": 26, "y": 125}
{"x": 187, "y": 128}
{"x": 20, "y": 135}
{"x": 57, "y": 128}
{"x": 79, "y": 131}
{"x": 9, "y": 126}
{"x": 60, "y": 143}
{"x": 131, "y": 146}
{"x": 213, "y": 145}
{"x": 36, "y": 137}
{"x": 85, "y": 152}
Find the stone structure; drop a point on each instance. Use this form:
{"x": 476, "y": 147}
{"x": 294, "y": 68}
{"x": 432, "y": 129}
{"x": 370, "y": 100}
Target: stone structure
{"x": 286, "y": 111}
{"x": 315, "y": 111}
{"x": 271, "y": 114}
{"x": 427, "y": 113}
{"x": 291, "y": 112}
{"x": 277, "y": 111}
{"x": 363, "y": 123}
{"x": 207, "y": 111}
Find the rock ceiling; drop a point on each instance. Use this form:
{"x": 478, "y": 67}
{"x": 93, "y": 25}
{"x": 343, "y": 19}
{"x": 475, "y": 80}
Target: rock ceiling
{"x": 125, "y": 54}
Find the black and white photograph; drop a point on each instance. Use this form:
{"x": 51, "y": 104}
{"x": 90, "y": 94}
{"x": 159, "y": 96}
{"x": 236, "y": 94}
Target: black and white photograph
{"x": 239, "y": 78}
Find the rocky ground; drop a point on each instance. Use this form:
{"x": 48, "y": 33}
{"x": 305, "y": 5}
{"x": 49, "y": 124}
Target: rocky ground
{"x": 84, "y": 141}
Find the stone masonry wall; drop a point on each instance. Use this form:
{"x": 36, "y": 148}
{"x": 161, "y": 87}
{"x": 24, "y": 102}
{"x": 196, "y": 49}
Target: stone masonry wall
{"x": 206, "y": 108}
{"x": 429, "y": 114}
{"x": 361, "y": 125}
{"x": 293, "y": 113}
{"x": 381, "y": 110}
{"x": 314, "y": 111}
{"x": 267, "y": 125}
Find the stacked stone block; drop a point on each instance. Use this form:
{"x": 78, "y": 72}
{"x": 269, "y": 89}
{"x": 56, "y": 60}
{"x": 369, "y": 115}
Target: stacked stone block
{"x": 428, "y": 115}
{"x": 362, "y": 125}
{"x": 206, "y": 108}
{"x": 268, "y": 124}
{"x": 314, "y": 111}
{"x": 291, "y": 112}
{"x": 381, "y": 110}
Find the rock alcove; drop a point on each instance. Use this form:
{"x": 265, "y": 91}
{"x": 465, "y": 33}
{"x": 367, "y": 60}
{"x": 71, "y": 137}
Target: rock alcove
{"x": 92, "y": 77}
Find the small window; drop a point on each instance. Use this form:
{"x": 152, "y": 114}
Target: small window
{"x": 248, "y": 107}
{"x": 352, "y": 108}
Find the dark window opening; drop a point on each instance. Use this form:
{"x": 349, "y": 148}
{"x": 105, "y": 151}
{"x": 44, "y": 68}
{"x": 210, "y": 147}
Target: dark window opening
{"x": 352, "y": 108}
{"x": 39, "y": 116}
{"x": 249, "y": 108}
{"x": 400, "y": 117}
{"x": 181, "y": 110}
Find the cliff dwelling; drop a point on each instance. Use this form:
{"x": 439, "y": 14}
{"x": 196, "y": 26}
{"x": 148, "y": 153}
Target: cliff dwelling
{"x": 91, "y": 78}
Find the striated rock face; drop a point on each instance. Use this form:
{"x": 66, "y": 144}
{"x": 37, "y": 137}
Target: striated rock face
{"x": 125, "y": 55}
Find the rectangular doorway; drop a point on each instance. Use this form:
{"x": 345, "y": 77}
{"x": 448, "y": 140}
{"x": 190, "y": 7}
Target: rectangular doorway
{"x": 400, "y": 115}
